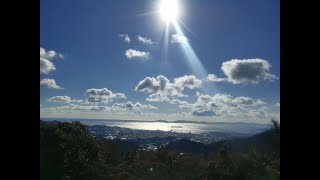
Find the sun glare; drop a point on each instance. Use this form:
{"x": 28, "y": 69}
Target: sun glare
{"x": 169, "y": 10}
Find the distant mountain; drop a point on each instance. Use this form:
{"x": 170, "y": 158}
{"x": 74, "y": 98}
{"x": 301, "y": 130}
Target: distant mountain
{"x": 267, "y": 141}
{"x": 42, "y": 122}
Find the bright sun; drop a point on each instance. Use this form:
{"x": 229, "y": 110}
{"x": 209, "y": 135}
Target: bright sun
{"x": 169, "y": 10}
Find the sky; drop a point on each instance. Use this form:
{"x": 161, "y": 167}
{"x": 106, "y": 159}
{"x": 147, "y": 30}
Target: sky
{"x": 215, "y": 61}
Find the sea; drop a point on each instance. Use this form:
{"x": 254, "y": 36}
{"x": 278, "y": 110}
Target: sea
{"x": 176, "y": 126}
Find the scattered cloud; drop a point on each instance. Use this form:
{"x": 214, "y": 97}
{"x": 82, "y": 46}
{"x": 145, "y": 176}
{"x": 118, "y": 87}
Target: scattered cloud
{"x": 181, "y": 104}
{"x": 176, "y": 38}
{"x": 103, "y": 95}
{"x": 202, "y": 112}
{"x": 218, "y": 104}
{"x": 160, "y": 85}
{"x": 73, "y": 107}
{"x": 50, "y": 55}
{"x": 157, "y": 98}
{"x": 125, "y": 38}
{"x": 131, "y": 53}
{"x": 145, "y": 40}
{"x": 247, "y": 70}
{"x": 132, "y": 106}
{"x": 63, "y": 99}
{"x": 278, "y": 104}
{"x": 60, "y": 99}
{"x": 188, "y": 81}
{"x": 46, "y": 66}
{"x": 214, "y": 78}
{"x": 242, "y": 101}
{"x": 50, "y": 83}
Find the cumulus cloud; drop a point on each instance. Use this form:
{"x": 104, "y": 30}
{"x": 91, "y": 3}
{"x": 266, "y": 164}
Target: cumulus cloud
{"x": 214, "y": 78}
{"x": 131, "y": 53}
{"x": 176, "y": 38}
{"x": 160, "y": 85}
{"x": 63, "y": 99}
{"x": 49, "y": 54}
{"x": 120, "y": 95}
{"x": 102, "y": 95}
{"x": 60, "y": 99}
{"x": 188, "y": 81}
{"x": 132, "y": 106}
{"x": 181, "y": 104}
{"x": 157, "y": 98}
{"x": 247, "y": 70}
{"x": 220, "y": 104}
{"x": 125, "y": 38}
{"x": 144, "y": 40}
{"x": 50, "y": 83}
{"x": 46, "y": 66}
{"x": 202, "y": 112}
{"x": 73, "y": 107}
{"x": 242, "y": 101}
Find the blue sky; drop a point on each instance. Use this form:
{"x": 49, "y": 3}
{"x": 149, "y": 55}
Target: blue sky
{"x": 86, "y": 73}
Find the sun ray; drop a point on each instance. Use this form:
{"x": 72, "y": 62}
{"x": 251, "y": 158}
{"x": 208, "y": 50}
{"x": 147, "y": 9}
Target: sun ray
{"x": 187, "y": 28}
{"x": 165, "y": 44}
{"x": 194, "y": 62}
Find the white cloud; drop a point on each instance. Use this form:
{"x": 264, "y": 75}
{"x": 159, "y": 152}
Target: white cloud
{"x": 125, "y": 38}
{"x": 188, "y": 81}
{"x": 214, "y": 78}
{"x": 132, "y": 106}
{"x": 144, "y": 40}
{"x": 63, "y": 99}
{"x": 218, "y": 105}
{"x": 49, "y": 54}
{"x": 161, "y": 87}
{"x": 50, "y": 83}
{"x": 73, "y": 107}
{"x": 157, "y": 98}
{"x": 239, "y": 101}
{"x": 131, "y": 53}
{"x": 60, "y": 99}
{"x": 120, "y": 95}
{"x": 176, "y": 38}
{"x": 103, "y": 95}
{"x": 247, "y": 70}
{"x": 46, "y": 66}
{"x": 203, "y": 112}
{"x": 277, "y": 104}
{"x": 181, "y": 104}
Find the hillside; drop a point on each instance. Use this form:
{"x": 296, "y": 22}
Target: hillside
{"x": 267, "y": 141}
{"x": 70, "y": 151}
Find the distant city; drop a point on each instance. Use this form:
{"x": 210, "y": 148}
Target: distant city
{"x": 150, "y": 140}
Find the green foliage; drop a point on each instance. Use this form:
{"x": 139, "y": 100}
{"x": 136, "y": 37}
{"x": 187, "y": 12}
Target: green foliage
{"x": 69, "y": 151}
{"x": 276, "y": 126}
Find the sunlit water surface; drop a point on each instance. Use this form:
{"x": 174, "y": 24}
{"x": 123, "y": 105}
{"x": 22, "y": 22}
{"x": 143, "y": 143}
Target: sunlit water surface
{"x": 245, "y": 128}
